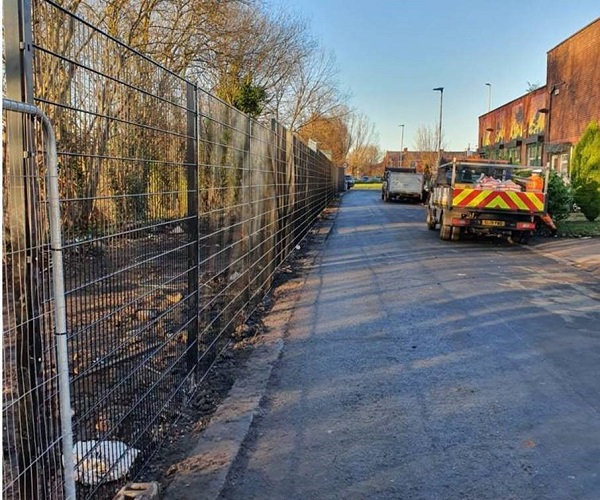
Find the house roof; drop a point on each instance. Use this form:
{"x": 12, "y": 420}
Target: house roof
{"x": 418, "y": 155}
{"x": 418, "y": 159}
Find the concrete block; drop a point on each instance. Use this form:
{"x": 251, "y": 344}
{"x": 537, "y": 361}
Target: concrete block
{"x": 139, "y": 491}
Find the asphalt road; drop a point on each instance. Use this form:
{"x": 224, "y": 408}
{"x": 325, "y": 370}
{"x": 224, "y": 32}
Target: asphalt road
{"x": 421, "y": 369}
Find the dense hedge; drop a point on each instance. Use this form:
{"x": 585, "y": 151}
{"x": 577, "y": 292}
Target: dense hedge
{"x": 585, "y": 172}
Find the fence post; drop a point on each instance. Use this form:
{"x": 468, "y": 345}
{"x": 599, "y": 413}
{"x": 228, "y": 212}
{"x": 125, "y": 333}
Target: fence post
{"x": 58, "y": 286}
{"x": 191, "y": 161}
{"x": 291, "y": 180}
{"x": 277, "y": 194}
{"x": 247, "y": 211}
{"x": 27, "y": 257}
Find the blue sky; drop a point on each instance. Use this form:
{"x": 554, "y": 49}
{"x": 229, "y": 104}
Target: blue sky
{"x": 391, "y": 54}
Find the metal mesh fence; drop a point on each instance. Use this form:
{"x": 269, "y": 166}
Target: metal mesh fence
{"x": 177, "y": 210}
{"x": 30, "y": 407}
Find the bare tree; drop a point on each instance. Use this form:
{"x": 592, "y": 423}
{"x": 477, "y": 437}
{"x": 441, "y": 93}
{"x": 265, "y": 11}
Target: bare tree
{"x": 222, "y": 44}
{"x": 255, "y": 45}
{"x": 365, "y": 158}
{"x": 312, "y": 90}
{"x": 182, "y": 35}
{"x": 426, "y": 138}
{"x": 361, "y": 131}
{"x": 426, "y": 141}
{"x": 331, "y": 134}
{"x": 226, "y": 44}
{"x": 364, "y": 151}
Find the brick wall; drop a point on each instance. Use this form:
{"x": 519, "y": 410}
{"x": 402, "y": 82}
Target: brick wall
{"x": 573, "y": 83}
{"x": 505, "y": 132}
{"x": 418, "y": 159}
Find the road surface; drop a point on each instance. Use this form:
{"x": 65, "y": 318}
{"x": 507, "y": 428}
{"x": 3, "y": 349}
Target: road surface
{"x": 421, "y": 369}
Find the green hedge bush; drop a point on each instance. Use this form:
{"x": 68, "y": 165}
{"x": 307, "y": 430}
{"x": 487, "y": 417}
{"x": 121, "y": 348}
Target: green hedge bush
{"x": 585, "y": 172}
{"x": 560, "y": 197}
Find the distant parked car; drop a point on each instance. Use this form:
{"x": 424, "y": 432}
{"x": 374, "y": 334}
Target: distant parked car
{"x": 349, "y": 182}
{"x": 365, "y": 178}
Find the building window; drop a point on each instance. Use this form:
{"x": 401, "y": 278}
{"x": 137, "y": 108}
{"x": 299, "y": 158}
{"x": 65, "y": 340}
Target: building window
{"x": 498, "y": 154}
{"x": 534, "y": 155}
{"x": 564, "y": 163}
{"x": 560, "y": 163}
{"x": 514, "y": 155}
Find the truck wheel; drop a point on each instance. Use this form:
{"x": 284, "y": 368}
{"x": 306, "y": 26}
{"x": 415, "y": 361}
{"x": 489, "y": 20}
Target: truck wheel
{"x": 455, "y": 233}
{"x": 431, "y": 222}
{"x": 445, "y": 232}
{"x": 521, "y": 237}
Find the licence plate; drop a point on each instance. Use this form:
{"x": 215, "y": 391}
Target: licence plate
{"x": 496, "y": 223}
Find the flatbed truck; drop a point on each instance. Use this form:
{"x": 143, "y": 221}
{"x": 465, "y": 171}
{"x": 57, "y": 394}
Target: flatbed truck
{"x": 487, "y": 198}
{"x": 402, "y": 183}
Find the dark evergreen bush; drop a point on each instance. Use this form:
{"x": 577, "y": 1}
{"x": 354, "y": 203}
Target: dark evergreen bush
{"x": 560, "y": 197}
{"x": 587, "y": 196}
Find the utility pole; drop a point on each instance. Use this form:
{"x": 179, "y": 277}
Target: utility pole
{"x": 402, "y": 146}
{"x": 439, "y": 144}
{"x": 489, "y": 85}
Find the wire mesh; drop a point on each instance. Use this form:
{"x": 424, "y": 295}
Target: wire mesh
{"x": 29, "y": 405}
{"x": 177, "y": 210}
{"x": 121, "y": 124}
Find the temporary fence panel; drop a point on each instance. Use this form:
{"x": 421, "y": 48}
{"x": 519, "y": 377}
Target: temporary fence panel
{"x": 30, "y": 412}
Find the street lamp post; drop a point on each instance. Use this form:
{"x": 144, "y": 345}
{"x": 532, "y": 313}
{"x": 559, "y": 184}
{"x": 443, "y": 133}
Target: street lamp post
{"x": 489, "y": 85}
{"x": 439, "y": 144}
{"x": 402, "y": 146}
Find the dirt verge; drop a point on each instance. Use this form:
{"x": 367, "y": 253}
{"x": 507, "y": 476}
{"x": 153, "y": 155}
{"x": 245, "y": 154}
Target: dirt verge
{"x": 179, "y": 459}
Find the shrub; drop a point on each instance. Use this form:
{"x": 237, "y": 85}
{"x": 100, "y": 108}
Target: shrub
{"x": 560, "y": 197}
{"x": 250, "y": 98}
{"x": 587, "y": 196}
{"x": 585, "y": 172}
{"x": 585, "y": 164}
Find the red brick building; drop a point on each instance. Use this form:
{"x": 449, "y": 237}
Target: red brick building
{"x": 418, "y": 159}
{"x": 541, "y": 127}
{"x": 573, "y": 83}
{"x": 515, "y": 131}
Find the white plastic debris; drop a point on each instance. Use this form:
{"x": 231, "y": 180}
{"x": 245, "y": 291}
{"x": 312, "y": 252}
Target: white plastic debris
{"x": 177, "y": 230}
{"x": 102, "y": 460}
{"x": 297, "y": 247}
{"x": 234, "y": 276}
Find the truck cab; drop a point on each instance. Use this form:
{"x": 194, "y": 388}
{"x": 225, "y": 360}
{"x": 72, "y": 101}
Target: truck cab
{"x": 487, "y": 198}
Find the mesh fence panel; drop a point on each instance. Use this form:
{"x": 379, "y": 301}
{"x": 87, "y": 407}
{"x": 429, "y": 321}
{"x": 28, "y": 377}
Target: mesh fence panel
{"x": 30, "y": 406}
{"x": 177, "y": 210}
